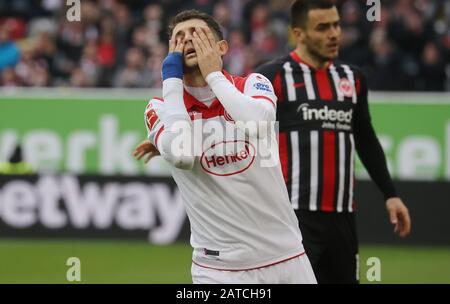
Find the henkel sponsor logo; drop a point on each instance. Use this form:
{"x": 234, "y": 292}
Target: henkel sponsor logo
{"x": 228, "y": 157}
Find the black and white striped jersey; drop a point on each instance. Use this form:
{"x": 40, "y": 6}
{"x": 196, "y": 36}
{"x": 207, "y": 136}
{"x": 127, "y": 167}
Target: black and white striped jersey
{"x": 324, "y": 118}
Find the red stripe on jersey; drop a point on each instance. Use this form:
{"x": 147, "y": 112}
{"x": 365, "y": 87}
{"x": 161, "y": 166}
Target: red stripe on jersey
{"x": 323, "y": 85}
{"x": 157, "y": 98}
{"x": 329, "y": 171}
{"x": 264, "y": 97}
{"x": 358, "y": 86}
{"x": 277, "y": 86}
{"x": 284, "y": 152}
{"x": 157, "y": 135}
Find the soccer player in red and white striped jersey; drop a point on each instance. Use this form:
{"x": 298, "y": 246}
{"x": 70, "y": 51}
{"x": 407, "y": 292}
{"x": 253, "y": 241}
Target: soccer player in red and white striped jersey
{"x": 324, "y": 119}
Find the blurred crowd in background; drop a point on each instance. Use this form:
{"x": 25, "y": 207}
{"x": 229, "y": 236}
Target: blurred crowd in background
{"x": 123, "y": 43}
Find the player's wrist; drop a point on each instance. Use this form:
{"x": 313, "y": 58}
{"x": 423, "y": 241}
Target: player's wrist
{"x": 172, "y": 66}
{"x": 214, "y": 76}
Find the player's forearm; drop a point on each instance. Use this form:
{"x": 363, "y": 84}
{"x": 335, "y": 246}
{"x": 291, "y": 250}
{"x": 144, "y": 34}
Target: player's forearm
{"x": 372, "y": 156}
{"x": 174, "y": 140}
{"x": 174, "y": 108}
{"x": 179, "y": 155}
{"x": 240, "y": 106}
{"x": 368, "y": 146}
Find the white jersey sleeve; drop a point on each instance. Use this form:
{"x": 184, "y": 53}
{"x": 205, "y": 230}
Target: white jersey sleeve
{"x": 162, "y": 138}
{"x": 241, "y": 105}
{"x": 152, "y": 121}
{"x": 258, "y": 86}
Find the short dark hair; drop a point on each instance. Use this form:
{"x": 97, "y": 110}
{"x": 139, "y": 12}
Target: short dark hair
{"x": 195, "y": 14}
{"x": 300, "y": 9}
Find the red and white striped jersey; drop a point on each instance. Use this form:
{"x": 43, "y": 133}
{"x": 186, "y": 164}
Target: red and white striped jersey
{"x": 239, "y": 209}
{"x": 320, "y": 112}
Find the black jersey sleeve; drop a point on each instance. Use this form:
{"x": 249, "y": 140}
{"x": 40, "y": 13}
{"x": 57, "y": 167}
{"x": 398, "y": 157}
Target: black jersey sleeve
{"x": 367, "y": 144}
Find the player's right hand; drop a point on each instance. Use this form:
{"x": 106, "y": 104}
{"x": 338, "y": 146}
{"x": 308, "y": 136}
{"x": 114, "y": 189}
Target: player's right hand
{"x": 172, "y": 66}
{"x": 176, "y": 45}
{"x": 147, "y": 149}
{"x": 399, "y": 216}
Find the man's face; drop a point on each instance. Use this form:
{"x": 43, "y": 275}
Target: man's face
{"x": 322, "y": 33}
{"x": 185, "y": 31}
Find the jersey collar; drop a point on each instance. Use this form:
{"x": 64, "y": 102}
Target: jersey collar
{"x": 297, "y": 58}
{"x": 191, "y": 102}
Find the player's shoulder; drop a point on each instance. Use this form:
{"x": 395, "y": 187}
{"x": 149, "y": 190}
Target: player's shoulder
{"x": 255, "y": 76}
{"x": 273, "y": 66}
{"x": 357, "y": 71}
{"x": 156, "y": 99}
{"x": 154, "y": 102}
{"x": 254, "y": 79}
{"x": 358, "y": 74}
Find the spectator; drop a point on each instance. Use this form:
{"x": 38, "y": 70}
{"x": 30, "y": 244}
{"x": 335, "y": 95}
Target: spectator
{"x": 9, "y": 52}
{"x": 262, "y": 39}
{"x": 9, "y": 78}
{"x": 235, "y": 59}
{"x": 153, "y": 16}
{"x": 222, "y": 15}
{"x": 133, "y": 74}
{"x": 154, "y": 64}
{"x": 433, "y": 69}
{"x": 409, "y": 49}
{"x": 355, "y": 46}
{"x": 32, "y": 70}
{"x": 89, "y": 63}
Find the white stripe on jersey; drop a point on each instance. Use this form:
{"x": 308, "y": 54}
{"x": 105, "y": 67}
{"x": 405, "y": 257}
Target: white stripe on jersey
{"x": 351, "y": 78}
{"x": 292, "y": 95}
{"x": 295, "y": 185}
{"x": 314, "y": 170}
{"x": 336, "y": 80}
{"x": 308, "y": 82}
{"x": 350, "y": 191}
{"x": 341, "y": 171}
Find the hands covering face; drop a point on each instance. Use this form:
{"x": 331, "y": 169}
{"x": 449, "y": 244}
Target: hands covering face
{"x": 208, "y": 52}
{"x": 209, "y": 57}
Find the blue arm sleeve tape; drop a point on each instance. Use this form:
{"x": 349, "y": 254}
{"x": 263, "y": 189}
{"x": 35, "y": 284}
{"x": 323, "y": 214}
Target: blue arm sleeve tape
{"x": 173, "y": 66}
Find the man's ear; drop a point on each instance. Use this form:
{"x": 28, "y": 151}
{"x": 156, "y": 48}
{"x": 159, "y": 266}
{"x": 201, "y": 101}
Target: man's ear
{"x": 223, "y": 47}
{"x": 298, "y": 33}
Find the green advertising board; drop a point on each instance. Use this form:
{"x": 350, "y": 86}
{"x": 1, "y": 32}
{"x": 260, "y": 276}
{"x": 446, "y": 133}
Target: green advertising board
{"x": 93, "y": 132}
{"x": 96, "y": 131}
{"x": 414, "y": 130}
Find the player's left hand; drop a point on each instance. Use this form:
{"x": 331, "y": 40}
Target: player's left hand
{"x": 147, "y": 149}
{"x": 399, "y": 216}
{"x": 207, "y": 49}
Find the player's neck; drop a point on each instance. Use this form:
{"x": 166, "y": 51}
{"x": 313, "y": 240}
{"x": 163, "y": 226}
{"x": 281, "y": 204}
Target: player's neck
{"x": 312, "y": 60}
{"x": 194, "y": 78}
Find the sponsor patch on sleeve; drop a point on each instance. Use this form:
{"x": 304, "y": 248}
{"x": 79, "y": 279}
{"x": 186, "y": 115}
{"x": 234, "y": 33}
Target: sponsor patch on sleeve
{"x": 260, "y": 86}
{"x": 151, "y": 119}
